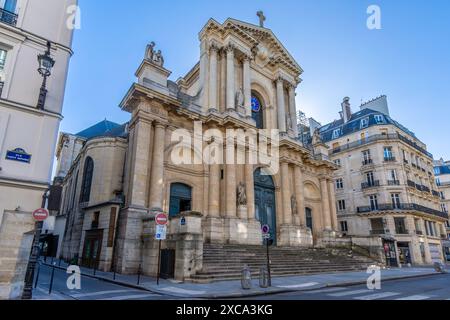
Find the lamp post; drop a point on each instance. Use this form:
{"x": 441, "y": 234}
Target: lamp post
{"x": 46, "y": 64}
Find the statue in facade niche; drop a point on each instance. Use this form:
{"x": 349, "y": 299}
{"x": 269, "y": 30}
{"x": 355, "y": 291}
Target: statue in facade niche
{"x": 241, "y": 195}
{"x": 150, "y": 51}
{"x": 294, "y": 205}
{"x": 289, "y": 122}
{"x": 240, "y": 100}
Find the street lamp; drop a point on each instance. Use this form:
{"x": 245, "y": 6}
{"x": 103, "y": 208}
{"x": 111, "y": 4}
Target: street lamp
{"x": 46, "y": 64}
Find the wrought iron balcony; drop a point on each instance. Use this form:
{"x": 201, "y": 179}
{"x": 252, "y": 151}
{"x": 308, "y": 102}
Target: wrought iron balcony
{"x": 411, "y": 184}
{"x": 393, "y": 182}
{"x": 403, "y": 207}
{"x": 389, "y": 159}
{"x": 373, "y": 184}
{"x": 402, "y": 231}
{"x": 379, "y": 232}
{"x": 2, "y": 84}
{"x": 419, "y": 232}
{"x": 426, "y": 189}
{"x": 367, "y": 162}
{"x": 8, "y": 17}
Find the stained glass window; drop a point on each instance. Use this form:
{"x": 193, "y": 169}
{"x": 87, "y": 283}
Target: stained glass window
{"x": 257, "y": 113}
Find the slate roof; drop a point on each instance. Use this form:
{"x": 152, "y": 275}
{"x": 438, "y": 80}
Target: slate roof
{"x": 103, "y": 128}
{"x": 354, "y": 124}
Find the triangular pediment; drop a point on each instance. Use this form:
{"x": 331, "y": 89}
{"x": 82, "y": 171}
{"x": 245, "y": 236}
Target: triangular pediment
{"x": 266, "y": 38}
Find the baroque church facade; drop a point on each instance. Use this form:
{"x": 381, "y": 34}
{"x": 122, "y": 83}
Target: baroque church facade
{"x": 245, "y": 80}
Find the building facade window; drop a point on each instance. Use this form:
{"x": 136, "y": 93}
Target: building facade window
{"x": 87, "y": 180}
{"x": 3, "y": 54}
{"x": 9, "y": 5}
{"x": 373, "y": 202}
{"x": 339, "y": 184}
{"x": 379, "y": 118}
{"x": 400, "y": 226}
{"x": 444, "y": 208}
{"x": 336, "y": 133}
{"x": 395, "y": 198}
{"x": 344, "y": 226}
{"x": 341, "y": 205}
{"x": 370, "y": 178}
{"x": 367, "y": 159}
{"x": 364, "y": 123}
{"x": 337, "y": 162}
{"x": 388, "y": 155}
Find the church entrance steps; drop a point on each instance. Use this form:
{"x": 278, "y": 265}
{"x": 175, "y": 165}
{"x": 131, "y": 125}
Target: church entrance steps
{"x": 225, "y": 262}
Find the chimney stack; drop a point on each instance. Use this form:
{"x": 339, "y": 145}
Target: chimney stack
{"x": 346, "y": 109}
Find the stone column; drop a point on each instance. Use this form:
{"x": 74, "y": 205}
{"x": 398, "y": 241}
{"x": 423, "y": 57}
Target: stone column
{"x": 299, "y": 194}
{"x": 247, "y": 86}
{"x": 157, "y": 173}
{"x": 214, "y": 191}
{"x": 250, "y": 188}
{"x": 286, "y": 193}
{"x": 325, "y": 205}
{"x": 293, "y": 110}
{"x": 333, "y": 209}
{"x": 281, "y": 106}
{"x": 213, "y": 77}
{"x": 231, "y": 90}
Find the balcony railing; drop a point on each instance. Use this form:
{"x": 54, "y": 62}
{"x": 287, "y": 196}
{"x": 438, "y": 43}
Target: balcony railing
{"x": 367, "y": 162}
{"x": 378, "y": 232}
{"x": 381, "y": 137}
{"x": 411, "y": 184}
{"x": 2, "y": 84}
{"x": 367, "y": 185}
{"x": 419, "y": 232}
{"x": 402, "y": 231}
{"x": 8, "y": 17}
{"x": 389, "y": 159}
{"x": 393, "y": 182}
{"x": 403, "y": 207}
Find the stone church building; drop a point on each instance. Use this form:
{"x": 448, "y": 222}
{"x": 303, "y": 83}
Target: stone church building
{"x": 118, "y": 179}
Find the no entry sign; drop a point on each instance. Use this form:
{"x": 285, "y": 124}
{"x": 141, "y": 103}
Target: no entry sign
{"x": 161, "y": 219}
{"x": 40, "y": 214}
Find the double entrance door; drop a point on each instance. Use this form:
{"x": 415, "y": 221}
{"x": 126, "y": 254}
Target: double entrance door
{"x": 265, "y": 203}
{"x": 92, "y": 249}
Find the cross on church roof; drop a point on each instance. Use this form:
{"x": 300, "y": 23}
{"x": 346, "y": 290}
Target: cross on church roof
{"x": 262, "y": 18}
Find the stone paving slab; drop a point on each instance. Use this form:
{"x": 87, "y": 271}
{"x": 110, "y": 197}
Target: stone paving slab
{"x": 233, "y": 289}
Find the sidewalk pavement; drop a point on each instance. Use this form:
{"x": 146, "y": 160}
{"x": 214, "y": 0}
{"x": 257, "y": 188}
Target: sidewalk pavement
{"x": 233, "y": 289}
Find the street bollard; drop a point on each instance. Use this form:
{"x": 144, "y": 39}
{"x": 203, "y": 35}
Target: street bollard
{"x": 139, "y": 275}
{"x": 51, "y": 262}
{"x": 37, "y": 275}
{"x": 114, "y": 273}
{"x": 59, "y": 263}
{"x": 263, "y": 277}
{"x": 51, "y": 280}
{"x": 246, "y": 278}
{"x": 95, "y": 269}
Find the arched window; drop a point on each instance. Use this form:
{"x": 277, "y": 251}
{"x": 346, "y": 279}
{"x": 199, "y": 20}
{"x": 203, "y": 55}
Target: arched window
{"x": 180, "y": 199}
{"x": 257, "y": 112}
{"x": 87, "y": 180}
{"x": 309, "y": 218}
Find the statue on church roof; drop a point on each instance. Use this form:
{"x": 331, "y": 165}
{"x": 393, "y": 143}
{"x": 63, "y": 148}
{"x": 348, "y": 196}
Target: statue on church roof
{"x": 159, "y": 59}
{"x": 262, "y": 18}
{"x": 150, "y": 51}
{"x": 316, "y": 137}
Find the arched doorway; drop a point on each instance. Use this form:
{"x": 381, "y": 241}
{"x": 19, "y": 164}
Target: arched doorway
{"x": 265, "y": 209}
{"x": 309, "y": 218}
{"x": 180, "y": 198}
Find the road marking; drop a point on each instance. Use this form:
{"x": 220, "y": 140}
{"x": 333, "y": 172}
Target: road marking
{"x": 348, "y": 293}
{"x": 183, "y": 291}
{"x": 378, "y": 296}
{"x": 417, "y": 297}
{"x": 132, "y": 297}
{"x": 325, "y": 290}
{"x": 303, "y": 285}
{"x": 99, "y": 293}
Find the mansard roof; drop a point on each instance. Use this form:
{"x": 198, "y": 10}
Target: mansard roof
{"x": 354, "y": 124}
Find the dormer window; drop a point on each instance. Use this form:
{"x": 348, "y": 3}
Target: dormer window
{"x": 379, "y": 118}
{"x": 336, "y": 133}
{"x": 364, "y": 123}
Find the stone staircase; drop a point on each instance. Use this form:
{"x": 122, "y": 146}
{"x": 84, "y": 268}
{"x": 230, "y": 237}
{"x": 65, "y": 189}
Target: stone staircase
{"x": 225, "y": 262}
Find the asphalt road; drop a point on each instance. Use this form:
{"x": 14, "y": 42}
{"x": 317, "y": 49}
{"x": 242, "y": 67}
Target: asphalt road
{"x": 91, "y": 289}
{"x": 435, "y": 287}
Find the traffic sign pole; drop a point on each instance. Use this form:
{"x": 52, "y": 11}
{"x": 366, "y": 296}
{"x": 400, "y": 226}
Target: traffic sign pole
{"x": 159, "y": 263}
{"x": 268, "y": 263}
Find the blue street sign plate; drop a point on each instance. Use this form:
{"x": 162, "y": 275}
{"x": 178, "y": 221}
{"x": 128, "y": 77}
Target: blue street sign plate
{"x": 18, "y": 155}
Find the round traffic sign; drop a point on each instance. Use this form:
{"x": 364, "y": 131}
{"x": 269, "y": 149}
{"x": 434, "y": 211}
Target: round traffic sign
{"x": 161, "y": 219}
{"x": 265, "y": 229}
{"x": 40, "y": 214}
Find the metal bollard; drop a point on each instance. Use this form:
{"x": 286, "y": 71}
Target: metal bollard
{"x": 95, "y": 269}
{"x": 114, "y": 273}
{"x": 139, "y": 275}
{"x": 246, "y": 278}
{"x": 51, "y": 279}
{"x": 263, "y": 277}
{"x": 37, "y": 275}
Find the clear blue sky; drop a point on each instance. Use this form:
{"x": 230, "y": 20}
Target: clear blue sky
{"x": 408, "y": 60}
